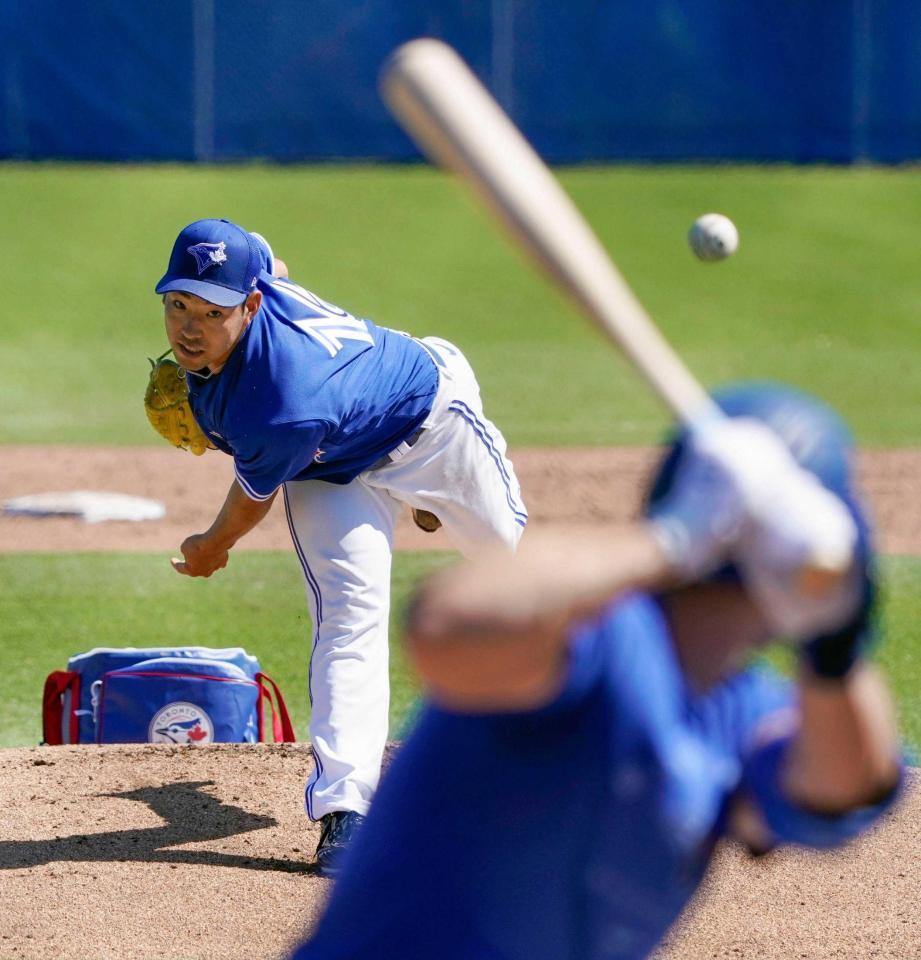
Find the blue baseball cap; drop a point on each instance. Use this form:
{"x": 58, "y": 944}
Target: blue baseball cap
{"x": 216, "y": 260}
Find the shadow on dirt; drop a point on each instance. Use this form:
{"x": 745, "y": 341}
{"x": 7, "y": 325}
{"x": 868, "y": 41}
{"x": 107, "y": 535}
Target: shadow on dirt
{"x": 191, "y": 815}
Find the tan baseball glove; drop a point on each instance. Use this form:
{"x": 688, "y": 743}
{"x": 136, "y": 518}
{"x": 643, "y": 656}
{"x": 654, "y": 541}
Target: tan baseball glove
{"x": 166, "y": 402}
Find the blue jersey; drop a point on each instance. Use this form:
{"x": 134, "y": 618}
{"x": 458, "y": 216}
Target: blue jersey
{"x": 310, "y": 391}
{"x": 575, "y": 832}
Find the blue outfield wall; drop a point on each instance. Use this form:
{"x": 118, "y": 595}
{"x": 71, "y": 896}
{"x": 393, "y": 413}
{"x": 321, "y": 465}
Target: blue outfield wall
{"x": 588, "y": 80}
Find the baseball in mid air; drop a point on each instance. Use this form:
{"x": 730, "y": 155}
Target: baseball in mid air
{"x": 713, "y": 237}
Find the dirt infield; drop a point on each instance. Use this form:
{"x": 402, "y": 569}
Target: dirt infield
{"x": 142, "y": 852}
{"x": 571, "y": 487}
{"x": 198, "y": 853}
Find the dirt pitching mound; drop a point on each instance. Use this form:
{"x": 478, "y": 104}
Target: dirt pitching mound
{"x": 131, "y": 852}
{"x": 142, "y": 852}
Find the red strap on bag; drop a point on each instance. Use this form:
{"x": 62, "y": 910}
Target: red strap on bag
{"x": 56, "y": 685}
{"x": 282, "y": 728}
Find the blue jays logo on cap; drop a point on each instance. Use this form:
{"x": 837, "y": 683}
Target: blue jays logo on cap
{"x": 216, "y": 260}
{"x": 208, "y": 255}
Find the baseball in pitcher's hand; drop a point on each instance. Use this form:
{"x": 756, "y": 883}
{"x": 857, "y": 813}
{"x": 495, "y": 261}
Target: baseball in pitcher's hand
{"x": 200, "y": 557}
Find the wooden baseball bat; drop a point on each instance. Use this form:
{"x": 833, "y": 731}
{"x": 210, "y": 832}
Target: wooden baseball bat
{"x": 455, "y": 120}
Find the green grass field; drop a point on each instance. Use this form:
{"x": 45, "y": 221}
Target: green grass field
{"x": 824, "y": 293}
{"x": 54, "y": 606}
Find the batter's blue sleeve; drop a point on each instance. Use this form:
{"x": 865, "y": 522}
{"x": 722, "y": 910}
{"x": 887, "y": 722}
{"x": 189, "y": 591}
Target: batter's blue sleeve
{"x": 754, "y": 716}
{"x": 791, "y": 823}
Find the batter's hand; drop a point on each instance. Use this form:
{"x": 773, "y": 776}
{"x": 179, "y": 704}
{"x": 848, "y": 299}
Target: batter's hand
{"x": 703, "y": 516}
{"x": 741, "y": 496}
{"x": 201, "y": 559}
{"x": 798, "y": 558}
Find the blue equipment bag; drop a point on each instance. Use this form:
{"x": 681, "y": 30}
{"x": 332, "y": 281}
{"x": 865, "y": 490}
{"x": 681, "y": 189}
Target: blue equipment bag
{"x": 178, "y": 695}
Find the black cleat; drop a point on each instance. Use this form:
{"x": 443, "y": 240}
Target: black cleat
{"x": 337, "y": 833}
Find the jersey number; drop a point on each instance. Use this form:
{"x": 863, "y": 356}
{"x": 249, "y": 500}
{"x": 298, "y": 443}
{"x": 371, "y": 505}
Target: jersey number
{"x": 329, "y": 325}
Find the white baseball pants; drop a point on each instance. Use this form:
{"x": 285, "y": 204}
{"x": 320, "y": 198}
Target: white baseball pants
{"x": 343, "y": 536}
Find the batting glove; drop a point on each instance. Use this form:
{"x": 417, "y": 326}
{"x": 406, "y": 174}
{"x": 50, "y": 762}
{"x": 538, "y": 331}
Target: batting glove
{"x": 796, "y": 558}
{"x": 703, "y": 514}
{"x": 740, "y": 496}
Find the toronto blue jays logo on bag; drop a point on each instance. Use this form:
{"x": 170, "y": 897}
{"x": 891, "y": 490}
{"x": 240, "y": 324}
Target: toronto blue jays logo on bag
{"x": 181, "y": 722}
{"x": 178, "y": 695}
